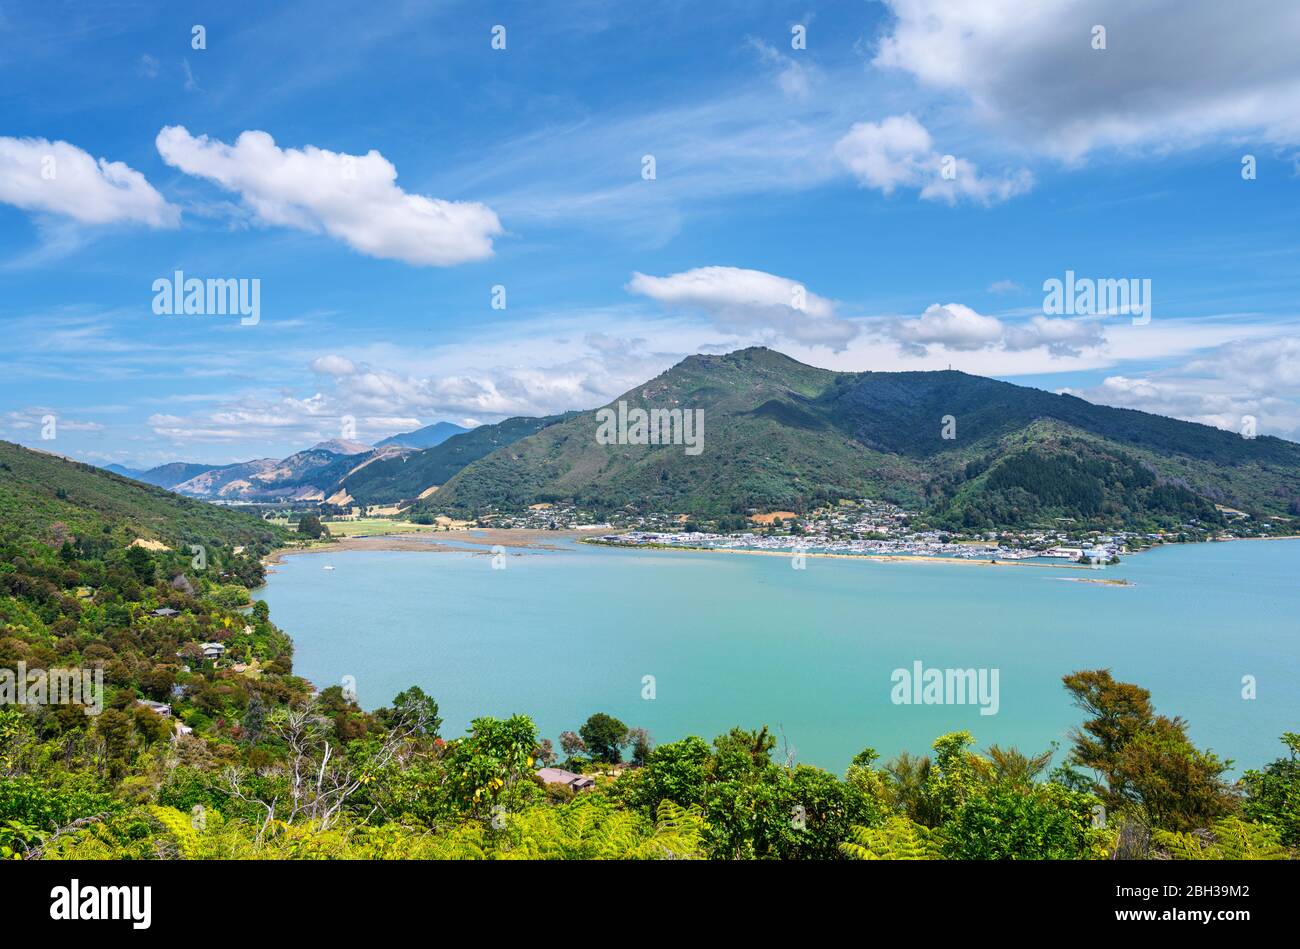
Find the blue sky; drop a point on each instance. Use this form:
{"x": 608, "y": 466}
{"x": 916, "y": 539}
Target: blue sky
{"x": 915, "y": 174}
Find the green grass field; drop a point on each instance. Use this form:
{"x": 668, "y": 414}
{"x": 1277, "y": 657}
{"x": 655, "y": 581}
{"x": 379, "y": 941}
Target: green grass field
{"x": 374, "y": 527}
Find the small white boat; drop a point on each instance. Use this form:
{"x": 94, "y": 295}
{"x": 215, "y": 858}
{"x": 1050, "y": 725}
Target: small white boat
{"x": 327, "y": 567}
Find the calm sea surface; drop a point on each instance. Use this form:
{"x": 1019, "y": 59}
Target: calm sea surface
{"x": 735, "y": 639}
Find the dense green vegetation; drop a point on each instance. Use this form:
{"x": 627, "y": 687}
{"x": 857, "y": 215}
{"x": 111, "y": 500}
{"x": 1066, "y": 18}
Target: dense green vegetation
{"x": 779, "y": 435}
{"x": 1052, "y": 476}
{"x": 50, "y": 499}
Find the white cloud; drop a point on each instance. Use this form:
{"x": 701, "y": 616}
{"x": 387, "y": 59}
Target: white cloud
{"x": 888, "y": 154}
{"x": 952, "y": 326}
{"x": 1256, "y": 377}
{"x": 898, "y": 152}
{"x": 58, "y": 178}
{"x": 354, "y": 198}
{"x": 1196, "y": 400}
{"x": 333, "y": 365}
{"x": 252, "y": 417}
{"x": 514, "y": 369}
{"x": 956, "y": 327}
{"x": 1267, "y": 364}
{"x": 1171, "y": 73}
{"x": 1061, "y": 337}
{"x": 389, "y": 423}
{"x": 740, "y": 300}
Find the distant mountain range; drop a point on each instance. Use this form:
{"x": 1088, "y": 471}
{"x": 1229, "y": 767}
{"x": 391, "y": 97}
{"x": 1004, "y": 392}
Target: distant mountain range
{"x": 426, "y": 437}
{"x": 164, "y": 476}
{"x": 780, "y": 435}
{"x": 341, "y": 471}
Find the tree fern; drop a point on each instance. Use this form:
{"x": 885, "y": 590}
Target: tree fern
{"x": 897, "y": 839}
{"x": 1232, "y": 839}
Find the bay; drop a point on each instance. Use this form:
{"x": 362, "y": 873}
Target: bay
{"x": 733, "y": 639}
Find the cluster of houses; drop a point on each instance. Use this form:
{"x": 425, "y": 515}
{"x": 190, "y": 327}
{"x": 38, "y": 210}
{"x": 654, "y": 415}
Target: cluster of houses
{"x": 213, "y": 650}
{"x": 878, "y": 527}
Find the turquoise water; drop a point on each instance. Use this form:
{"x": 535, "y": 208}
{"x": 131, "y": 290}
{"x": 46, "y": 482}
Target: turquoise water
{"x": 734, "y": 639}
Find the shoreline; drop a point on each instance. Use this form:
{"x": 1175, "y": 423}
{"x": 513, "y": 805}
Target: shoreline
{"x": 423, "y": 542}
{"x": 885, "y": 558}
{"x": 535, "y": 539}
{"x": 925, "y": 558}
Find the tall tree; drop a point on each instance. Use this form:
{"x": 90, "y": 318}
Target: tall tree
{"x": 604, "y": 736}
{"x": 1148, "y": 764}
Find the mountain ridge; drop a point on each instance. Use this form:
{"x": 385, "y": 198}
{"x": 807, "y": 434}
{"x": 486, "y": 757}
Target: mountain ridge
{"x": 782, "y": 435}
{"x": 427, "y": 437}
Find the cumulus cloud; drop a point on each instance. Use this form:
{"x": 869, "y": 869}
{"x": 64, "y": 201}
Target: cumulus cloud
{"x": 951, "y": 325}
{"x": 898, "y": 152}
{"x": 740, "y": 300}
{"x": 1173, "y": 71}
{"x": 957, "y": 327}
{"x": 354, "y": 198}
{"x": 58, "y": 178}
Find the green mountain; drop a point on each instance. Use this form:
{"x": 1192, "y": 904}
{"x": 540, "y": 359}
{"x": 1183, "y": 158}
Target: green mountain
{"x": 49, "y": 498}
{"x": 407, "y": 476}
{"x": 780, "y": 435}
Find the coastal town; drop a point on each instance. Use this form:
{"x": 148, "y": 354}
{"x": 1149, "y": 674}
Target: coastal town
{"x": 867, "y": 527}
{"x": 875, "y": 528}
